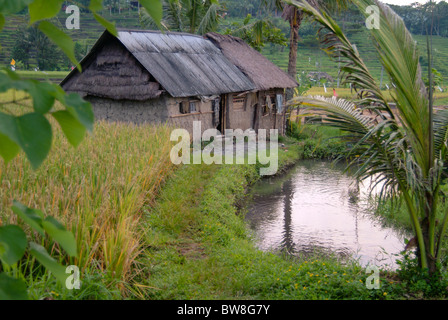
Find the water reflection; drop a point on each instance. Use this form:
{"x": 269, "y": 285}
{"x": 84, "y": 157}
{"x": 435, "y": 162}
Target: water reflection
{"x": 316, "y": 207}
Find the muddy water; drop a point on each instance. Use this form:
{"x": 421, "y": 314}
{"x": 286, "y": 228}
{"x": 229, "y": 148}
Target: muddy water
{"x": 317, "y": 207}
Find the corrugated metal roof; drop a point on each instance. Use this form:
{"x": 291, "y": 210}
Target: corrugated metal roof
{"x": 184, "y": 64}
{"x": 263, "y": 73}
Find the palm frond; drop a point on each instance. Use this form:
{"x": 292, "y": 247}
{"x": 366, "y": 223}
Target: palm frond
{"x": 441, "y": 134}
{"x": 210, "y": 20}
{"x": 341, "y": 113}
{"x": 399, "y": 56}
{"x": 173, "y": 15}
{"x": 353, "y": 70}
{"x": 147, "y": 22}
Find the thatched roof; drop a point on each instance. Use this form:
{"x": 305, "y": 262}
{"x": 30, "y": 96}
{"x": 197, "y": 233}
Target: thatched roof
{"x": 262, "y": 72}
{"x": 183, "y": 64}
{"x": 110, "y": 71}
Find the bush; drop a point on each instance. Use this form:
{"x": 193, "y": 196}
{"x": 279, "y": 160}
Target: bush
{"x": 418, "y": 282}
{"x": 326, "y": 149}
{"x": 297, "y": 131}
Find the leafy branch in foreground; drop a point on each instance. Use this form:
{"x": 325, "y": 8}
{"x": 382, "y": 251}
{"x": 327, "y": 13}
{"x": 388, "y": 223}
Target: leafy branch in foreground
{"x": 14, "y": 243}
{"x": 404, "y": 149}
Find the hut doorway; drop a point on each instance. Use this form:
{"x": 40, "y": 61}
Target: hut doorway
{"x": 256, "y": 117}
{"x": 221, "y": 126}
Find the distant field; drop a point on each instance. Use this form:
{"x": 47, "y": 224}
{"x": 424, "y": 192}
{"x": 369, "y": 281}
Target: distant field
{"x": 441, "y": 98}
{"x": 314, "y": 59}
{"x": 53, "y": 76}
{"x": 90, "y": 30}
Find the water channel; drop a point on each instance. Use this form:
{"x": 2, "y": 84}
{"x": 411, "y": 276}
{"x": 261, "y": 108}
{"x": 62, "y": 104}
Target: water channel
{"x": 317, "y": 207}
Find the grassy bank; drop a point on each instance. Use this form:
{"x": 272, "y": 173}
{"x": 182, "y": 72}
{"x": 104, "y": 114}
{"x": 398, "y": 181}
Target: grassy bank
{"x": 199, "y": 247}
{"x": 149, "y": 230}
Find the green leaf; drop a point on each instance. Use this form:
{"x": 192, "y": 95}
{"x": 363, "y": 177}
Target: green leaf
{"x": 32, "y": 217}
{"x": 43, "y": 99}
{"x": 80, "y": 109}
{"x": 61, "y": 235}
{"x": 61, "y": 39}
{"x": 44, "y": 9}
{"x": 32, "y": 132}
{"x": 48, "y": 262}
{"x": 72, "y": 128}
{"x": 107, "y": 24}
{"x": 35, "y": 137}
{"x": 12, "y": 289}
{"x": 8, "y": 148}
{"x": 95, "y": 5}
{"x": 154, "y": 8}
{"x": 13, "y": 6}
{"x": 13, "y": 241}
{"x": 10, "y": 80}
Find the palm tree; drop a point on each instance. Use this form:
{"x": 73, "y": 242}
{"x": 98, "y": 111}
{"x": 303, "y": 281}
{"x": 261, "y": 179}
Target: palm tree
{"x": 294, "y": 16}
{"x": 193, "y": 16}
{"x": 403, "y": 150}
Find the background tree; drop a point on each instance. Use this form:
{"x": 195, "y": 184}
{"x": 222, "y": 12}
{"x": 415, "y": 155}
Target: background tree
{"x": 257, "y": 32}
{"x": 32, "y": 43}
{"x": 294, "y": 16}
{"x": 192, "y": 16}
{"x": 22, "y": 48}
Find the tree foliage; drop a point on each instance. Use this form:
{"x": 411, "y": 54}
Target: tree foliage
{"x": 33, "y": 43}
{"x": 257, "y": 32}
{"x": 192, "y": 16}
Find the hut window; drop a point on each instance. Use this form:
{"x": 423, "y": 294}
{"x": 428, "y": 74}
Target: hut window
{"x": 193, "y": 107}
{"x": 279, "y": 99}
{"x": 188, "y": 107}
{"x": 268, "y": 106}
{"x": 183, "y": 107}
{"x": 238, "y": 103}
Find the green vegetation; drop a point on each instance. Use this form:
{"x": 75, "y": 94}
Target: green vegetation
{"x": 199, "y": 246}
{"x": 440, "y": 98}
{"x": 405, "y": 148}
{"x": 29, "y": 127}
{"x": 97, "y": 191}
{"x": 105, "y": 208}
{"x": 310, "y": 57}
{"x": 185, "y": 16}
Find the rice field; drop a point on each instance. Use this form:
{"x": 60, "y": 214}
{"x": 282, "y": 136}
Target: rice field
{"x": 97, "y": 191}
{"x": 441, "y": 98}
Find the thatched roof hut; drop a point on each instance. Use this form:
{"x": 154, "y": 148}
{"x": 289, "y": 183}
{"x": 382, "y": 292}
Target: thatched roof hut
{"x": 140, "y": 65}
{"x": 178, "y": 78}
{"x": 263, "y": 73}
